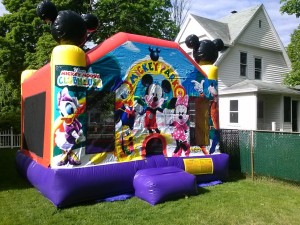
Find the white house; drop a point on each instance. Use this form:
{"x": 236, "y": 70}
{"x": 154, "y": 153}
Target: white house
{"x": 251, "y": 67}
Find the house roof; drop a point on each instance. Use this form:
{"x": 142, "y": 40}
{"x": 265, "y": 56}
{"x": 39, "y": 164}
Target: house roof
{"x": 215, "y": 28}
{"x": 238, "y": 21}
{"x": 258, "y": 86}
{"x": 230, "y": 27}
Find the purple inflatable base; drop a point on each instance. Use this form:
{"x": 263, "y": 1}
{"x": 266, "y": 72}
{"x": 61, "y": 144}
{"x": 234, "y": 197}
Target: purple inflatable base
{"x": 156, "y": 185}
{"x": 65, "y": 187}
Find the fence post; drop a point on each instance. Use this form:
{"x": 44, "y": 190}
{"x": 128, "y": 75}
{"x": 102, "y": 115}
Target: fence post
{"x": 252, "y": 153}
{"x": 11, "y": 138}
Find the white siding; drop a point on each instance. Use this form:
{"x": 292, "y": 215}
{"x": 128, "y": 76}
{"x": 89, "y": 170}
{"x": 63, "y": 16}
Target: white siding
{"x": 191, "y": 26}
{"x": 273, "y": 66}
{"x": 287, "y": 127}
{"x": 260, "y": 37}
{"x": 247, "y": 112}
{"x": 272, "y": 112}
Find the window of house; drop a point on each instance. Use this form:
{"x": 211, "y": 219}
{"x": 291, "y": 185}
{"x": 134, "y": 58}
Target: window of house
{"x": 260, "y": 109}
{"x": 234, "y": 113}
{"x": 243, "y": 64}
{"x": 287, "y": 109}
{"x": 257, "y": 68}
{"x": 259, "y": 23}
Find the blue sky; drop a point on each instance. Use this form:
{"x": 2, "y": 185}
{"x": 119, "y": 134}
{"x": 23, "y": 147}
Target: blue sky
{"x": 284, "y": 24}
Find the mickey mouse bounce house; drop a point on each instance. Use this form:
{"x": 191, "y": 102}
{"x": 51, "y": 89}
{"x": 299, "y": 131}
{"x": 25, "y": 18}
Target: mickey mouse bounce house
{"x": 135, "y": 115}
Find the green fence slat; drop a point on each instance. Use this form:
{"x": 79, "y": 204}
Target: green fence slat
{"x": 277, "y": 155}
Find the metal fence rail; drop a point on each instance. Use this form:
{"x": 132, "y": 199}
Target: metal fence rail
{"x": 9, "y": 140}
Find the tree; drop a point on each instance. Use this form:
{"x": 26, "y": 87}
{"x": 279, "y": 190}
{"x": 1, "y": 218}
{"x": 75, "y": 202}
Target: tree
{"x": 9, "y": 105}
{"x": 147, "y": 17}
{"x": 293, "y": 50}
{"x": 19, "y": 31}
{"x": 26, "y": 42}
{"x": 179, "y": 11}
{"x": 290, "y": 7}
{"x": 293, "y": 77}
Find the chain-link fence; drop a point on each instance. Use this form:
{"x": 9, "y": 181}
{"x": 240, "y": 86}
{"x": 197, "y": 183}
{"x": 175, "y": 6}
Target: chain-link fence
{"x": 229, "y": 143}
{"x": 275, "y": 154}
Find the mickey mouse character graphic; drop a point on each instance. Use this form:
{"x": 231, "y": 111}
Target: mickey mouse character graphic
{"x": 180, "y": 126}
{"x": 154, "y": 100}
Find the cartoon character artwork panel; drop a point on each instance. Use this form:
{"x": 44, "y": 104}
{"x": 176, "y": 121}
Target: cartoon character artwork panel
{"x": 70, "y": 132}
{"x": 151, "y": 89}
{"x": 180, "y": 126}
{"x": 205, "y": 53}
{"x": 144, "y": 110}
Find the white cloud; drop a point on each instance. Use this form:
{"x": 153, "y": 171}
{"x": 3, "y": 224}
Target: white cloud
{"x": 130, "y": 46}
{"x": 2, "y": 9}
{"x": 283, "y": 23}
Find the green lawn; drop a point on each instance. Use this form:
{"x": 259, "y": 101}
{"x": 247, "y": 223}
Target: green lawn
{"x": 238, "y": 201}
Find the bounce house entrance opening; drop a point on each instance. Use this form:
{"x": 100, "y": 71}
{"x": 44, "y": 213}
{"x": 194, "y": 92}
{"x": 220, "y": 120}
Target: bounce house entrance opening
{"x": 154, "y": 144}
{"x": 100, "y": 121}
{"x": 154, "y": 147}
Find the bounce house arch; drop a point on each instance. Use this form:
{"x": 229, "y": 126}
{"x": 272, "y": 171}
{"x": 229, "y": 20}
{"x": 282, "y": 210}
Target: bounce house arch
{"x": 162, "y": 149}
{"x": 148, "y": 66}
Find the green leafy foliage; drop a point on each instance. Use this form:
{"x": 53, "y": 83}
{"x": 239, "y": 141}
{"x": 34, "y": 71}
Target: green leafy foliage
{"x": 148, "y": 17}
{"x": 293, "y": 50}
{"x": 292, "y": 7}
{"x": 9, "y": 106}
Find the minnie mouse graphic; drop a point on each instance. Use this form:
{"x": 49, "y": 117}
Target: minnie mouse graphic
{"x": 180, "y": 126}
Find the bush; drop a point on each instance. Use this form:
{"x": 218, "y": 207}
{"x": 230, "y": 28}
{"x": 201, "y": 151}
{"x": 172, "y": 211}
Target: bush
{"x": 11, "y": 119}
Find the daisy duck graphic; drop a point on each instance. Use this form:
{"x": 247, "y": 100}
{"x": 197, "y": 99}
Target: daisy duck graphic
{"x": 73, "y": 134}
{"x": 180, "y": 126}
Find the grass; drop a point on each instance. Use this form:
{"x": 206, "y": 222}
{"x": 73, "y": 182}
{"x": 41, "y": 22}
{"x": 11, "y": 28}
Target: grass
{"x": 238, "y": 201}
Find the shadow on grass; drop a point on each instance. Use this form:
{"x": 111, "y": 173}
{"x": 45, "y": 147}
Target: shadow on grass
{"x": 131, "y": 196}
{"x": 9, "y": 176}
{"x": 235, "y": 175}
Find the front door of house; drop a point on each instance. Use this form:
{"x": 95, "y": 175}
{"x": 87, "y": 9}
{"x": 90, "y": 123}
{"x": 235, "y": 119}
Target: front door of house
{"x": 294, "y": 116}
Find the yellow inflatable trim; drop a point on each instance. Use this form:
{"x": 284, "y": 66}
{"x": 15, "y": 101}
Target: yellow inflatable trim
{"x": 199, "y": 166}
{"x": 68, "y": 55}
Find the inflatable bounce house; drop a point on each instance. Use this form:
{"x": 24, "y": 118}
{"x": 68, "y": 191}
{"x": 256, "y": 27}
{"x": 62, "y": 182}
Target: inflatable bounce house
{"x": 133, "y": 116}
